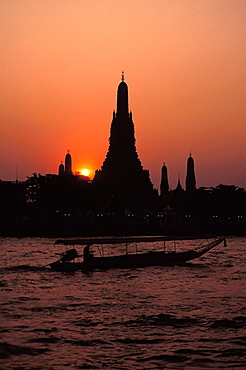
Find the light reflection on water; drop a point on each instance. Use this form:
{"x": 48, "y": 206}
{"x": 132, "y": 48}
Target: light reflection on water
{"x": 152, "y": 318}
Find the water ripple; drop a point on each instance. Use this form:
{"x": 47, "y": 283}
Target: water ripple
{"x": 176, "y": 317}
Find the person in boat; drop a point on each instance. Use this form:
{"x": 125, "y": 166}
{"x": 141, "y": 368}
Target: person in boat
{"x": 69, "y": 255}
{"x": 87, "y": 254}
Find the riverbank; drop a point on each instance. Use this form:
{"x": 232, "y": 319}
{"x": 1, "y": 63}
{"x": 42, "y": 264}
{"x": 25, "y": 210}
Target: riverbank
{"x": 69, "y": 229}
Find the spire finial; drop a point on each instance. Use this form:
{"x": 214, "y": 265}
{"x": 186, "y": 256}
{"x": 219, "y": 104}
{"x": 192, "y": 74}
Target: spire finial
{"x": 122, "y": 76}
{"x": 190, "y": 153}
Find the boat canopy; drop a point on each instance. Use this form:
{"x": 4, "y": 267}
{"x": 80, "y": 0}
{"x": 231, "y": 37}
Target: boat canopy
{"x": 132, "y": 239}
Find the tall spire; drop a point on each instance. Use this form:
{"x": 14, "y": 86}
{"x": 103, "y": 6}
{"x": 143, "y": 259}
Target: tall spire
{"x": 68, "y": 163}
{"x": 122, "y": 98}
{"x": 61, "y": 169}
{"x": 190, "y": 175}
{"x": 122, "y": 172}
{"x": 164, "y": 181}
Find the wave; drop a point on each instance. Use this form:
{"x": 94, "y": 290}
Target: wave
{"x": 162, "y": 320}
{"x": 168, "y": 358}
{"x": 30, "y": 253}
{"x": 7, "y": 350}
{"x": 24, "y": 268}
{"x": 235, "y": 323}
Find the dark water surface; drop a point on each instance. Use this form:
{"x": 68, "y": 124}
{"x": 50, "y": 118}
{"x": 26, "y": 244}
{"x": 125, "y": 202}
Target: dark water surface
{"x": 189, "y": 317}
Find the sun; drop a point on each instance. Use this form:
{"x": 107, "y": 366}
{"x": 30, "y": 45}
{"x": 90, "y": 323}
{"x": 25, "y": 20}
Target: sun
{"x": 85, "y": 172}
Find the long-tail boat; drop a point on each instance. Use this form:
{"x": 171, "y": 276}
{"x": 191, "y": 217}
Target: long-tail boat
{"x": 70, "y": 260}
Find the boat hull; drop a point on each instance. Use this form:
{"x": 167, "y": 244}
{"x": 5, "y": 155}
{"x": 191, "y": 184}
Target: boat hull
{"x": 124, "y": 261}
{"x": 134, "y": 260}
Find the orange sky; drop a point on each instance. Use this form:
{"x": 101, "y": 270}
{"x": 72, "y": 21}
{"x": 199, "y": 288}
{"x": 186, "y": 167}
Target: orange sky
{"x": 184, "y": 63}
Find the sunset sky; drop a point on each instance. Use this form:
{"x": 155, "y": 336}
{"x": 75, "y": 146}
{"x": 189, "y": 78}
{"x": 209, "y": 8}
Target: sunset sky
{"x": 184, "y": 63}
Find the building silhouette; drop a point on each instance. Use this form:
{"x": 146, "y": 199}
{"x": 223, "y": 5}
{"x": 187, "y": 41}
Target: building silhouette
{"x": 67, "y": 169}
{"x": 164, "y": 181}
{"x": 61, "y": 169}
{"x": 122, "y": 171}
{"x": 190, "y": 175}
{"x": 68, "y": 163}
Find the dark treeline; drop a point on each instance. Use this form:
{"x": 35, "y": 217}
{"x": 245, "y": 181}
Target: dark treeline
{"x": 52, "y": 205}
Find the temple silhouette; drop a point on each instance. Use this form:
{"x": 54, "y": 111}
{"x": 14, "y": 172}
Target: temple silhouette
{"x": 164, "y": 187}
{"x": 120, "y": 200}
{"x": 122, "y": 172}
{"x": 67, "y": 170}
{"x": 190, "y": 175}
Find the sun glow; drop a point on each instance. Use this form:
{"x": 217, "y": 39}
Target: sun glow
{"x": 85, "y": 172}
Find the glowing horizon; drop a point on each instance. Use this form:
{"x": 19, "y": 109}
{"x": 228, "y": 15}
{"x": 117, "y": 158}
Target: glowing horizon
{"x": 85, "y": 172}
{"x": 184, "y": 65}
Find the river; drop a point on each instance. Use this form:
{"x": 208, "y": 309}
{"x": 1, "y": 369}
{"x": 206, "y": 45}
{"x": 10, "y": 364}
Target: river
{"x": 177, "y": 317}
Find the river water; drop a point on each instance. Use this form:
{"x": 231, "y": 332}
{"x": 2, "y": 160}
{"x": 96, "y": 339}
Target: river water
{"x": 180, "y": 317}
